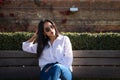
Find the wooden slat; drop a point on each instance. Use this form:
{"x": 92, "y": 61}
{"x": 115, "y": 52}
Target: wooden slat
{"x": 18, "y": 62}
{"x": 87, "y": 63}
{"x": 96, "y": 53}
{"x": 76, "y": 53}
{"x": 96, "y": 61}
{"x": 15, "y": 57}
{"x": 28, "y": 73}
{"x": 77, "y": 61}
{"x": 96, "y": 72}
{"x": 78, "y": 72}
{"x": 16, "y": 54}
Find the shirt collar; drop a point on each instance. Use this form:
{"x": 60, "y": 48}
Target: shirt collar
{"x": 58, "y": 38}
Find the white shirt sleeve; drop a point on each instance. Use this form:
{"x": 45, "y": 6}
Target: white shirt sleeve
{"x": 68, "y": 54}
{"x": 29, "y": 47}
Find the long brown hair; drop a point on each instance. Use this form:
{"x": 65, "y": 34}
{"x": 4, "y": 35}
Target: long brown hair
{"x": 42, "y": 40}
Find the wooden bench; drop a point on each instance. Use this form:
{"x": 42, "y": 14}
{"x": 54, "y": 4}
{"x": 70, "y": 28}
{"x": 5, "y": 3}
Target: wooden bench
{"x": 19, "y": 65}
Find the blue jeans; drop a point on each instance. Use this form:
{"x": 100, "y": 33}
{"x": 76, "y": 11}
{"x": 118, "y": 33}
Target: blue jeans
{"x": 55, "y": 72}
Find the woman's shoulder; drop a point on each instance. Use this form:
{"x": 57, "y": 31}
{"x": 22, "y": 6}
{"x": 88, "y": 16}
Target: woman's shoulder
{"x": 63, "y": 37}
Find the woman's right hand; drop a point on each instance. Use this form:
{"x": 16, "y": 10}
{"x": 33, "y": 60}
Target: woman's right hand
{"x": 36, "y": 32}
{"x": 33, "y": 38}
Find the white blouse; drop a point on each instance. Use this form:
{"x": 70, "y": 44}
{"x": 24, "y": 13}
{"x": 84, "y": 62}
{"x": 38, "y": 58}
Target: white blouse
{"x": 60, "y": 51}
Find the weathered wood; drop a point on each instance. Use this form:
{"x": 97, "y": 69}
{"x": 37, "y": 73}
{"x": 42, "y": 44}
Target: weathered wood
{"x": 96, "y": 53}
{"x": 18, "y": 62}
{"x": 86, "y": 64}
{"x": 16, "y": 54}
{"x": 29, "y": 73}
{"x": 77, "y": 53}
{"x": 96, "y": 72}
{"x": 78, "y": 72}
{"x": 97, "y": 61}
{"x": 77, "y": 61}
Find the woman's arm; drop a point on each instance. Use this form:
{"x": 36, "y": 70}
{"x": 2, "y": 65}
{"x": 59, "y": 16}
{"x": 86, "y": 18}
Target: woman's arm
{"x": 68, "y": 54}
{"x": 33, "y": 38}
{"x": 28, "y": 45}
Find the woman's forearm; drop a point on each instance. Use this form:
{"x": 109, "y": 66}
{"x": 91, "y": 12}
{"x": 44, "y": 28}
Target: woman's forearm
{"x": 33, "y": 38}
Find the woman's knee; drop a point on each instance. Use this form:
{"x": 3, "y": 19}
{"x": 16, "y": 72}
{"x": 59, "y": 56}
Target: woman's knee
{"x": 57, "y": 66}
{"x": 65, "y": 72}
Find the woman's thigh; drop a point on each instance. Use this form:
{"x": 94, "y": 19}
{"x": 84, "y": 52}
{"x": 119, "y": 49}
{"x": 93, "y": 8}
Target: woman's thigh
{"x": 57, "y": 72}
{"x": 65, "y": 72}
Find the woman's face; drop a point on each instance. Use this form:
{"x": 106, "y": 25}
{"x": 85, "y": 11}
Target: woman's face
{"x": 49, "y": 29}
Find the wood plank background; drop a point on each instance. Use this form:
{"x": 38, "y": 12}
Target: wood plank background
{"x": 86, "y": 63}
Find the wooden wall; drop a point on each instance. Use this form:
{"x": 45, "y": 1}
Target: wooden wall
{"x": 92, "y": 15}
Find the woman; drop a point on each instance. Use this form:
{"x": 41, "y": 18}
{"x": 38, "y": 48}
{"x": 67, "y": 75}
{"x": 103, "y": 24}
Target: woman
{"x": 54, "y": 51}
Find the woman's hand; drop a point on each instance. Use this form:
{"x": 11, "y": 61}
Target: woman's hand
{"x": 48, "y": 68}
{"x": 34, "y": 37}
{"x": 36, "y": 32}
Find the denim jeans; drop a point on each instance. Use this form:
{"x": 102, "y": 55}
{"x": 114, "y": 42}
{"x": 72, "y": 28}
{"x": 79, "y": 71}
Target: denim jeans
{"x": 55, "y": 72}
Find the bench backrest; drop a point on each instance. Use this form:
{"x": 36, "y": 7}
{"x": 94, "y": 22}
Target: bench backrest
{"x": 96, "y": 63}
{"x": 87, "y": 63}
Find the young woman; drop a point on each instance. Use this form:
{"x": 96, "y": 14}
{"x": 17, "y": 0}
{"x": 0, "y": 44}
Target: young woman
{"x": 54, "y": 51}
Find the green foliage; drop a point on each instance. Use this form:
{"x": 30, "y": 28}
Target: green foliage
{"x": 13, "y": 41}
{"x": 95, "y": 41}
{"x": 80, "y": 41}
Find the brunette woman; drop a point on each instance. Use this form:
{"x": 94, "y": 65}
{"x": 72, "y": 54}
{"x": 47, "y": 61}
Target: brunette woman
{"x": 54, "y": 51}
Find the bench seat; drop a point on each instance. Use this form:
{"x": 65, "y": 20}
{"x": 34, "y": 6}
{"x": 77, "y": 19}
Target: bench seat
{"x": 87, "y": 64}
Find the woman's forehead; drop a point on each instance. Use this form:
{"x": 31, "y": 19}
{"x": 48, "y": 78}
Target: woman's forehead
{"x": 47, "y": 24}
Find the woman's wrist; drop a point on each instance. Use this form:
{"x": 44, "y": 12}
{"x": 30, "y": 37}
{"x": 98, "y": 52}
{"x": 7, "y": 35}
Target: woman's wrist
{"x": 34, "y": 36}
{"x": 32, "y": 39}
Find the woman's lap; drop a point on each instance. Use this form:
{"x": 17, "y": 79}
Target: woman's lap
{"x": 56, "y": 72}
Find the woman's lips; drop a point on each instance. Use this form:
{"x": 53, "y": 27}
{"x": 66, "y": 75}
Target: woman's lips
{"x": 51, "y": 33}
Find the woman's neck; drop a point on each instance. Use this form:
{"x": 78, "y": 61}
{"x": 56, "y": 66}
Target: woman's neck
{"x": 52, "y": 39}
